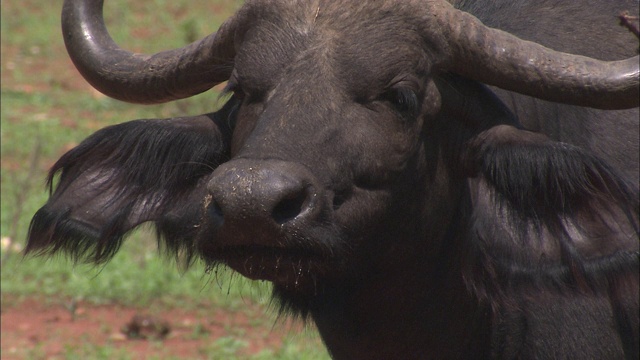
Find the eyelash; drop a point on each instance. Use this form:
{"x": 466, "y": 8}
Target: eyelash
{"x": 403, "y": 99}
{"x": 233, "y": 88}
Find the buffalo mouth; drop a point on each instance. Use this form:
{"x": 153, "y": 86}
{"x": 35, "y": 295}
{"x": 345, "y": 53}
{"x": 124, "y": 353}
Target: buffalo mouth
{"x": 283, "y": 266}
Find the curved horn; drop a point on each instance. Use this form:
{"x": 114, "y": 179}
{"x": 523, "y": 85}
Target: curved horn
{"x": 139, "y": 78}
{"x": 498, "y": 58}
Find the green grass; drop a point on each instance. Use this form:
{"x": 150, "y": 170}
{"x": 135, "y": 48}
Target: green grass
{"x": 137, "y": 276}
{"x": 96, "y": 352}
{"x": 46, "y": 110}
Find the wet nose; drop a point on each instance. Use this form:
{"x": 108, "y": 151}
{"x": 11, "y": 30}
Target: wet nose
{"x": 262, "y": 193}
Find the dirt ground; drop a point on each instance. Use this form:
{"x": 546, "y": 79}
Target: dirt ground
{"x": 32, "y": 328}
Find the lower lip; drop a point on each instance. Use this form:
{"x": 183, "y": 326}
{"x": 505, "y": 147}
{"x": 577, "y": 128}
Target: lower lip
{"x": 271, "y": 264}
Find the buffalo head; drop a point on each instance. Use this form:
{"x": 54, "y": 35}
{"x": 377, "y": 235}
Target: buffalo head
{"x": 358, "y": 154}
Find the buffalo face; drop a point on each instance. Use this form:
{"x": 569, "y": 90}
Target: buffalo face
{"x": 328, "y": 154}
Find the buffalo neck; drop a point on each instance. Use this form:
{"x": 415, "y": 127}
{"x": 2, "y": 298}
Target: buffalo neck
{"x": 385, "y": 315}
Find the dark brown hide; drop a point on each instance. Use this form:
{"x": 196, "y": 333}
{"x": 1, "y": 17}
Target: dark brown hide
{"x": 363, "y": 166}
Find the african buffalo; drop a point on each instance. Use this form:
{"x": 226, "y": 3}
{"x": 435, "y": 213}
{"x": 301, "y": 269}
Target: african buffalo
{"x": 423, "y": 180}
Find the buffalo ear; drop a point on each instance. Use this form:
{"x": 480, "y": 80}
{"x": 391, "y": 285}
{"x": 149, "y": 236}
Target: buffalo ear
{"x": 546, "y": 213}
{"x": 128, "y": 174}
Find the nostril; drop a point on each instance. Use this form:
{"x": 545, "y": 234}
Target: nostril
{"x": 215, "y": 212}
{"x": 340, "y": 197}
{"x": 290, "y": 206}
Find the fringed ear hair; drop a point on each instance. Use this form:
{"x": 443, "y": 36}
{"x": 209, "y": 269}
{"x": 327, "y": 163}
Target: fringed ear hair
{"x": 127, "y": 174}
{"x": 546, "y": 213}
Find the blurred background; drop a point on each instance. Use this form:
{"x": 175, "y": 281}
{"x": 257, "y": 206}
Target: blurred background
{"x": 54, "y": 309}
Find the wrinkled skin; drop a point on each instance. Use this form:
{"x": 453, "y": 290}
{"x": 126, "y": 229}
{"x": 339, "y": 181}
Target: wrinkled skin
{"x": 405, "y": 210}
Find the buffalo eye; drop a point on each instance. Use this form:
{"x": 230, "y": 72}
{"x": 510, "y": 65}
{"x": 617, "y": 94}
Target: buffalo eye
{"x": 237, "y": 97}
{"x": 403, "y": 99}
{"x": 234, "y": 88}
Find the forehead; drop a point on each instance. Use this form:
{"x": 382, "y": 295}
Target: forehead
{"x": 355, "y": 41}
